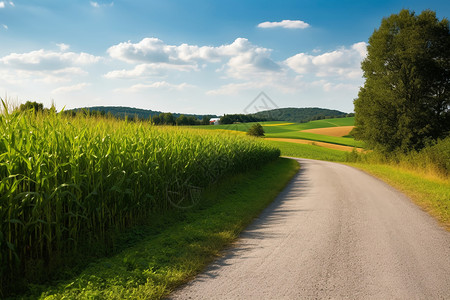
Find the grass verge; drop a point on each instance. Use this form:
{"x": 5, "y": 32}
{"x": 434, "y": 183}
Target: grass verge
{"x": 153, "y": 267}
{"x": 308, "y": 151}
{"x": 431, "y": 194}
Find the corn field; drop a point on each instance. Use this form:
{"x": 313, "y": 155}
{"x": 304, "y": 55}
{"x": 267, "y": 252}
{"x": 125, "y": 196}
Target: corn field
{"x": 67, "y": 180}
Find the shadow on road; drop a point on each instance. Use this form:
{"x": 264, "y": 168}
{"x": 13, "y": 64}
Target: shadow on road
{"x": 275, "y": 213}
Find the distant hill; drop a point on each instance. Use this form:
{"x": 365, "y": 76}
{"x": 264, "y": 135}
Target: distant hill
{"x": 131, "y": 112}
{"x": 290, "y": 114}
{"x": 300, "y": 115}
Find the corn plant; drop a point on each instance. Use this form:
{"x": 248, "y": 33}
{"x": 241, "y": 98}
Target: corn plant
{"x": 71, "y": 180}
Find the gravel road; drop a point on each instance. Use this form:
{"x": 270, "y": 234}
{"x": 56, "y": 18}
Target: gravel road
{"x": 334, "y": 233}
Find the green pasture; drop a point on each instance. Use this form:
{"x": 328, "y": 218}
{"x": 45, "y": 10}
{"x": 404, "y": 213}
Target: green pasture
{"x": 308, "y": 151}
{"x": 292, "y": 131}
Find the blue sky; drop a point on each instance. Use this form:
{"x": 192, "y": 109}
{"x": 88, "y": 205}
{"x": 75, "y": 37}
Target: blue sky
{"x": 189, "y": 56}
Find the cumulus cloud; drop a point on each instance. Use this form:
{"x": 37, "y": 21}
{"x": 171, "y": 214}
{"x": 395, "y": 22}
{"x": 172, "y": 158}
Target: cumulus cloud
{"x": 240, "y": 58}
{"x": 155, "y": 85}
{"x": 290, "y": 24}
{"x": 247, "y": 59}
{"x": 146, "y": 70}
{"x": 3, "y": 4}
{"x": 63, "y": 47}
{"x": 250, "y": 67}
{"x": 47, "y": 60}
{"x": 154, "y": 50}
{"x": 343, "y": 62}
{"x": 70, "y": 88}
{"x": 44, "y": 66}
{"x": 21, "y": 77}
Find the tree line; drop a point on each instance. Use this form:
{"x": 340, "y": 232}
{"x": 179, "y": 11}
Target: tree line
{"x": 170, "y": 119}
{"x": 241, "y": 118}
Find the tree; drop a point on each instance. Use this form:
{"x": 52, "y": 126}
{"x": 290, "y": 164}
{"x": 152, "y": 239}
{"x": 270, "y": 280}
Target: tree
{"x": 256, "y": 130}
{"x": 182, "y": 120}
{"x": 37, "y": 107}
{"x": 205, "y": 119}
{"x": 156, "y": 120}
{"x": 167, "y": 118}
{"x": 405, "y": 101}
{"x": 226, "y": 119}
{"x": 191, "y": 120}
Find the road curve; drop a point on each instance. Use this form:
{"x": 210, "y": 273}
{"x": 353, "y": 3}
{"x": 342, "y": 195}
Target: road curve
{"x": 334, "y": 232}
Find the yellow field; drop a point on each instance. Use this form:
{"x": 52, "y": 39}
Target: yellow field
{"x": 280, "y": 124}
{"x": 321, "y": 144}
{"x": 331, "y": 131}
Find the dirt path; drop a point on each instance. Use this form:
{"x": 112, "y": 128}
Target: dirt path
{"x": 320, "y": 144}
{"x": 334, "y": 232}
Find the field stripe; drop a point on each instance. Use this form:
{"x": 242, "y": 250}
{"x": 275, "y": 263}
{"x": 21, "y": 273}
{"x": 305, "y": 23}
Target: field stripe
{"x": 280, "y": 124}
{"x": 331, "y": 131}
{"x": 321, "y": 144}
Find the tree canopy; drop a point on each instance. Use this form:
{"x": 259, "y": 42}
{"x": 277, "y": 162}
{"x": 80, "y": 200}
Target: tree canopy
{"x": 405, "y": 101}
{"x": 38, "y": 107}
{"x": 256, "y": 130}
{"x": 300, "y": 115}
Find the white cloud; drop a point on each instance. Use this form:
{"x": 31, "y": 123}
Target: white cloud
{"x": 360, "y": 47}
{"x": 343, "y": 62}
{"x": 63, "y": 47}
{"x": 5, "y": 26}
{"x": 152, "y": 50}
{"x": 240, "y": 58}
{"x": 44, "y": 66}
{"x": 155, "y": 85}
{"x": 290, "y": 24}
{"x": 328, "y": 86}
{"x": 70, "y": 71}
{"x": 70, "y": 88}
{"x": 145, "y": 70}
{"x": 98, "y": 5}
{"x": 47, "y": 60}
{"x": 3, "y": 4}
{"x": 233, "y": 88}
{"x": 22, "y": 77}
{"x": 247, "y": 60}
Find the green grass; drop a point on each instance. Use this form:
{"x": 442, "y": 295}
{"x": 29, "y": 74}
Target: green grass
{"x": 345, "y": 141}
{"x": 292, "y": 127}
{"x": 432, "y": 194}
{"x": 292, "y": 131}
{"x": 349, "y": 121}
{"x": 308, "y": 151}
{"x": 184, "y": 246}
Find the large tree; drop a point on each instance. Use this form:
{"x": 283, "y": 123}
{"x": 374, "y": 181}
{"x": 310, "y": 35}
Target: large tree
{"x": 405, "y": 101}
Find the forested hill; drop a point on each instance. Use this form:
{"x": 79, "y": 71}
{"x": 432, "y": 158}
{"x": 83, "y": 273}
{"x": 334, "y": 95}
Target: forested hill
{"x": 300, "y": 115}
{"x": 131, "y": 112}
{"x": 290, "y": 114}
